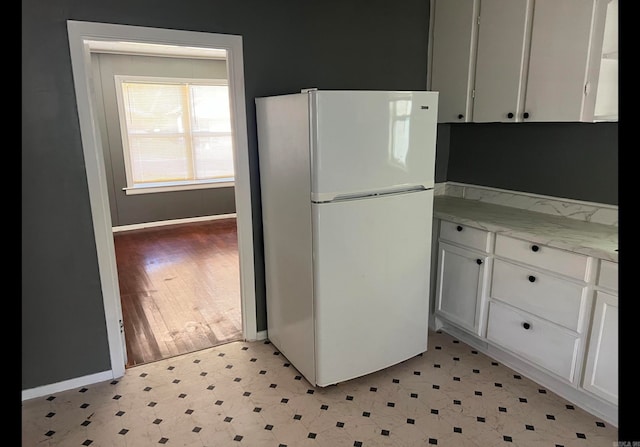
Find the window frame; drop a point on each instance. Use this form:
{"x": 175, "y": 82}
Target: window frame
{"x": 154, "y": 187}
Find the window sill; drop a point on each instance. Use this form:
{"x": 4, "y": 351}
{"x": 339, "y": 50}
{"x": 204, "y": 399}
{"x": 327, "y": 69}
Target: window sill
{"x": 169, "y": 187}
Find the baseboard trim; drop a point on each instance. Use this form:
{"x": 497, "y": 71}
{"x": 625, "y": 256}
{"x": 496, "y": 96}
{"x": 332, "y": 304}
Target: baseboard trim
{"x": 261, "y": 335}
{"x": 66, "y": 385}
{"x": 162, "y": 223}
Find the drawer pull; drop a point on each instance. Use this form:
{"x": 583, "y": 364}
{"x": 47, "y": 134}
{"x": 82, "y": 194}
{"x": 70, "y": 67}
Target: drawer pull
{"x": 532, "y": 278}
{"x": 535, "y": 248}
{"x": 527, "y": 326}
{"x": 479, "y": 261}
{"x": 459, "y": 228}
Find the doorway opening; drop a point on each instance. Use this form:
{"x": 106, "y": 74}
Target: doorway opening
{"x": 83, "y": 39}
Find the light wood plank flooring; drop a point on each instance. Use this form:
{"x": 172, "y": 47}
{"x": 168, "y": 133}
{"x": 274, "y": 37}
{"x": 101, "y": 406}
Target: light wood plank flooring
{"x": 179, "y": 287}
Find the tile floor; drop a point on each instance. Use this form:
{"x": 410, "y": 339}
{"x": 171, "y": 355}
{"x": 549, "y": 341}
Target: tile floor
{"x": 247, "y": 394}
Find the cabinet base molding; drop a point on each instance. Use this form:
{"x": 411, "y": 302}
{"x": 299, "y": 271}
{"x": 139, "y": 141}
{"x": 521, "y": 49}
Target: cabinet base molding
{"x": 599, "y": 408}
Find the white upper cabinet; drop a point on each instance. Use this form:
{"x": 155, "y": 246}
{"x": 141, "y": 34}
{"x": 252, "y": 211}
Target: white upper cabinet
{"x": 453, "y": 58}
{"x": 524, "y": 60}
{"x": 501, "y": 62}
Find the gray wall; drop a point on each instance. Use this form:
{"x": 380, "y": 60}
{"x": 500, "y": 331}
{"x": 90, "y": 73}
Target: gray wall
{"x": 287, "y": 45}
{"x": 569, "y": 160}
{"x": 140, "y": 208}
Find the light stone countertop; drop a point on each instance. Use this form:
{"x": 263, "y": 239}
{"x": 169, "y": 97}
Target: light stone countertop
{"x": 588, "y": 238}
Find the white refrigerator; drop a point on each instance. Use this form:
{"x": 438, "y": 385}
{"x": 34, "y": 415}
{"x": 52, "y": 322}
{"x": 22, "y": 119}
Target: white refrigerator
{"x": 347, "y": 181}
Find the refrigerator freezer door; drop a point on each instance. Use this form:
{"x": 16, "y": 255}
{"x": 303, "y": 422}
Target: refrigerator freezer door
{"x": 371, "y": 290}
{"x": 371, "y": 141}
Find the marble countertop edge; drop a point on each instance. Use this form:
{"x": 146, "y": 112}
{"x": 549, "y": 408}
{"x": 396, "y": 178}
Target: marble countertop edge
{"x": 591, "y": 239}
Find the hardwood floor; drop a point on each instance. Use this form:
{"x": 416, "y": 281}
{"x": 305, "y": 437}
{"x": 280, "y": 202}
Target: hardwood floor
{"x": 179, "y": 287}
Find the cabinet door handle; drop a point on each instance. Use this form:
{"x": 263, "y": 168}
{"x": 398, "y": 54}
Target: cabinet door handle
{"x": 535, "y": 248}
{"x": 532, "y": 278}
{"x": 459, "y": 228}
{"x": 460, "y": 116}
{"x": 527, "y": 326}
{"x": 479, "y": 261}
{"x": 510, "y": 115}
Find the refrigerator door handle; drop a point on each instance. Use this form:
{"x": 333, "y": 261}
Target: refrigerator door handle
{"x": 328, "y": 197}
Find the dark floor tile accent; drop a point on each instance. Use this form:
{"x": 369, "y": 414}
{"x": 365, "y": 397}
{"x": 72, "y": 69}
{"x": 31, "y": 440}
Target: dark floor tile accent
{"x": 163, "y": 440}
{"x": 433, "y": 441}
{"x": 297, "y": 417}
{"x": 339, "y": 424}
{"x": 414, "y": 395}
{"x": 273, "y": 385}
{"x": 357, "y": 444}
{"x": 434, "y": 411}
{"x": 600, "y": 424}
{"x": 457, "y": 430}
{"x": 391, "y": 404}
{"x": 373, "y": 389}
{"x": 237, "y": 438}
{"x": 529, "y": 427}
{"x": 502, "y": 409}
{"x": 124, "y": 431}
{"x": 541, "y": 391}
{"x": 411, "y": 421}
{"x": 87, "y": 442}
{"x": 456, "y": 379}
{"x": 456, "y": 402}
{"x": 396, "y": 381}
{"x": 284, "y": 400}
{"x": 480, "y": 419}
{"x": 366, "y": 414}
{"x": 228, "y": 419}
{"x": 157, "y": 421}
{"x": 85, "y": 423}
{"x": 50, "y": 415}
{"x": 246, "y": 394}
{"x": 478, "y": 393}
{"x": 196, "y": 429}
{"x": 268, "y": 427}
{"x": 507, "y": 438}
{"x": 49, "y": 433}
{"x": 349, "y": 397}
{"x": 581, "y": 435}
{"x": 570, "y": 407}
{"x": 385, "y": 432}
{"x": 523, "y": 399}
{"x": 551, "y": 417}
{"x": 312, "y": 435}
{"x": 324, "y": 407}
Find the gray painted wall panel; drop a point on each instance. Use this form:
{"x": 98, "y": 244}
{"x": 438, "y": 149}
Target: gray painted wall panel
{"x": 329, "y": 44}
{"x": 569, "y": 160}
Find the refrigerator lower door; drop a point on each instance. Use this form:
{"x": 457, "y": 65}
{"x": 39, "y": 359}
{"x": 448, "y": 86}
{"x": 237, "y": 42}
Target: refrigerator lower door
{"x": 372, "y": 261}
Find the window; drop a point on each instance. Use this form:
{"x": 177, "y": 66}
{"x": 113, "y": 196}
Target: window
{"x": 176, "y": 133}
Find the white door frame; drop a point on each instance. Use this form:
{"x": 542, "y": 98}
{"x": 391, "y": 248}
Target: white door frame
{"x": 81, "y": 34}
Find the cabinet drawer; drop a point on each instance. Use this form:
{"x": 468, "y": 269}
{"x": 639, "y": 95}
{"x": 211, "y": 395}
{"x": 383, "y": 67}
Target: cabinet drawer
{"x": 543, "y": 343}
{"x": 553, "y": 259}
{"x": 465, "y": 235}
{"x": 608, "y": 275}
{"x": 538, "y": 293}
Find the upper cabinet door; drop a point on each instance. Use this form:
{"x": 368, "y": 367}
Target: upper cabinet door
{"x": 560, "y": 85}
{"x": 453, "y": 33}
{"x": 501, "y": 59}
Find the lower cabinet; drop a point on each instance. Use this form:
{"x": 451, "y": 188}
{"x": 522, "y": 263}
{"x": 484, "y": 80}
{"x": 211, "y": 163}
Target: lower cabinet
{"x": 550, "y": 312}
{"x": 461, "y": 285}
{"x": 601, "y": 366}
